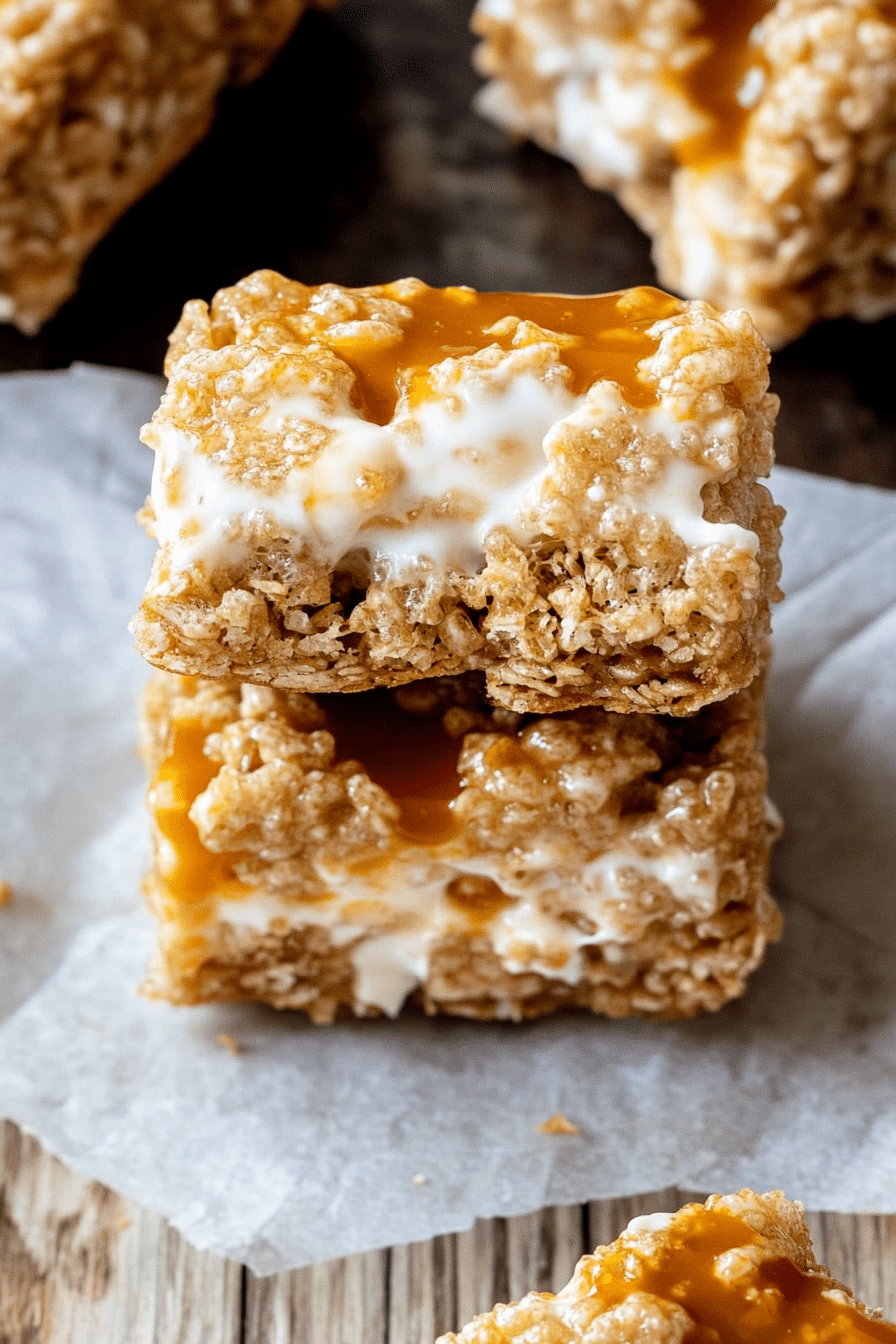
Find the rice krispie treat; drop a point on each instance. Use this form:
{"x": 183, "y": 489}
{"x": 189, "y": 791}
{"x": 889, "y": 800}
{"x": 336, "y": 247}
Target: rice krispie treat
{"x": 738, "y": 1269}
{"x": 360, "y": 488}
{"x": 753, "y": 141}
{"x": 342, "y": 853}
{"x": 99, "y": 99}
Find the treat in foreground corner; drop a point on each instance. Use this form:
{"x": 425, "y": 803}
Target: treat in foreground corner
{"x": 345, "y": 853}
{"x": 752, "y": 141}
{"x": 100, "y": 99}
{"x": 738, "y": 1269}
{"x": 362, "y": 488}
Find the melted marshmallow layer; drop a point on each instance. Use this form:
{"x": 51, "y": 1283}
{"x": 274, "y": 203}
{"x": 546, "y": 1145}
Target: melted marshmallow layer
{"x": 413, "y": 439}
{"x": 395, "y": 915}
{"x": 453, "y": 473}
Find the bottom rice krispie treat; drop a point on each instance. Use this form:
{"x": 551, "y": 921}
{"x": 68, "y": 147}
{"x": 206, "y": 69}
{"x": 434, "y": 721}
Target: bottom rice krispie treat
{"x": 738, "y": 1269}
{"x": 341, "y": 853}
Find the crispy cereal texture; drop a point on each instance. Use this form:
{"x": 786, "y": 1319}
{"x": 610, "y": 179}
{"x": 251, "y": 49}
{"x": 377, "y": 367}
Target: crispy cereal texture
{"x": 570, "y": 831}
{"x": 99, "y": 99}
{"x": 607, "y": 605}
{"x": 798, "y": 222}
{"x": 594, "y": 1309}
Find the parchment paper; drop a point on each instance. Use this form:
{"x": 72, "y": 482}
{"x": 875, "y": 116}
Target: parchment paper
{"x": 305, "y": 1144}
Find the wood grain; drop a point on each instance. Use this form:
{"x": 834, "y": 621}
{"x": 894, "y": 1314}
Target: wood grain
{"x": 81, "y": 1265}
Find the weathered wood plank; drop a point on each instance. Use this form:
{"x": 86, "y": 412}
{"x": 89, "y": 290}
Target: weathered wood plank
{"x": 542, "y": 1249}
{"x": 422, "y": 1290}
{"x": 79, "y": 1264}
{"x": 415, "y": 1293}
{"x": 501, "y": 1259}
{"x": 338, "y": 1302}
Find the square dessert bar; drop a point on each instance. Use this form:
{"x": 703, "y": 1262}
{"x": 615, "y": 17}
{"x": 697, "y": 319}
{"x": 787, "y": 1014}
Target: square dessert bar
{"x": 100, "y": 99}
{"x": 345, "y": 853}
{"x": 361, "y": 488}
{"x": 753, "y": 141}
{"x": 738, "y": 1269}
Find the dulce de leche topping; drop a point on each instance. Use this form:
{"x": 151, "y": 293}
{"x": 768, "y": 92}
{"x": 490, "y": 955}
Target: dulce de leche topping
{"x": 733, "y": 1297}
{"x": 410, "y": 755}
{"x": 602, "y": 336}
{"x": 717, "y": 82}
{"x": 192, "y": 873}
{"x": 406, "y": 422}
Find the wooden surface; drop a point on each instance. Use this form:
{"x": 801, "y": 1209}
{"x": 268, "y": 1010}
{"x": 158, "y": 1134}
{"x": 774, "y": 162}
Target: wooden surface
{"x": 81, "y": 1265}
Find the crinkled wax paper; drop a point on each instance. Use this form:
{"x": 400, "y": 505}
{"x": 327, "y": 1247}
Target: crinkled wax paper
{"x": 305, "y": 1144}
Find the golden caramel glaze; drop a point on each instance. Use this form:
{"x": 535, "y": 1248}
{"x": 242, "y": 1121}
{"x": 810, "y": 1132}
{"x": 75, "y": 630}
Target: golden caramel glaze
{"x": 409, "y": 755}
{"x": 192, "y": 874}
{"x": 601, "y": 336}
{"x": 713, "y": 80}
{"x": 738, "y": 1301}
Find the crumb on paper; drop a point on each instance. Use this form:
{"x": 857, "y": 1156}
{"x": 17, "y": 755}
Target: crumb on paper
{"x": 122, "y": 1224}
{"x": 558, "y": 1124}
{"x": 5, "y": 894}
{"x": 419, "y": 1179}
{"x": 229, "y": 1043}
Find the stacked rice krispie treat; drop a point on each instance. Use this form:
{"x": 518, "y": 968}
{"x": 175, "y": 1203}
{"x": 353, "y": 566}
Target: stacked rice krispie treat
{"x": 738, "y": 1269}
{"x": 461, "y": 610}
{"x": 754, "y": 141}
{"x": 100, "y": 98}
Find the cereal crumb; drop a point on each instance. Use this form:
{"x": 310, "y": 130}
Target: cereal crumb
{"x": 229, "y": 1043}
{"x": 419, "y": 1179}
{"x": 558, "y": 1124}
{"x": 5, "y": 894}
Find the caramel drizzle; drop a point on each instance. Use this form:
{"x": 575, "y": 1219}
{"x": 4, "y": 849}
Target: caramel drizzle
{"x": 194, "y": 877}
{"x": 609, "y": 338}
{"x": 713, "y": 81}
{"x": 778, "y": 1301}
{"x": 411, "y": 756}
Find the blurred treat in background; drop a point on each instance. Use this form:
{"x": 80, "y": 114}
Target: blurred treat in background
{"x": 754, "y": 142}
{"x": 99, "y": 99}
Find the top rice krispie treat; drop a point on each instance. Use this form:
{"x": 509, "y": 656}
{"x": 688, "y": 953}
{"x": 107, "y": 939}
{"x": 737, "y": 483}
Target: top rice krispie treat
{"x": 367, "y": 487}
{"x": 754, "y": 141}
{"x": 99, "y": 99}
{"x": 737, "y": 1270}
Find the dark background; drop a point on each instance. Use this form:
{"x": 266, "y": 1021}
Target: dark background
{"x": 357, "y": 158}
